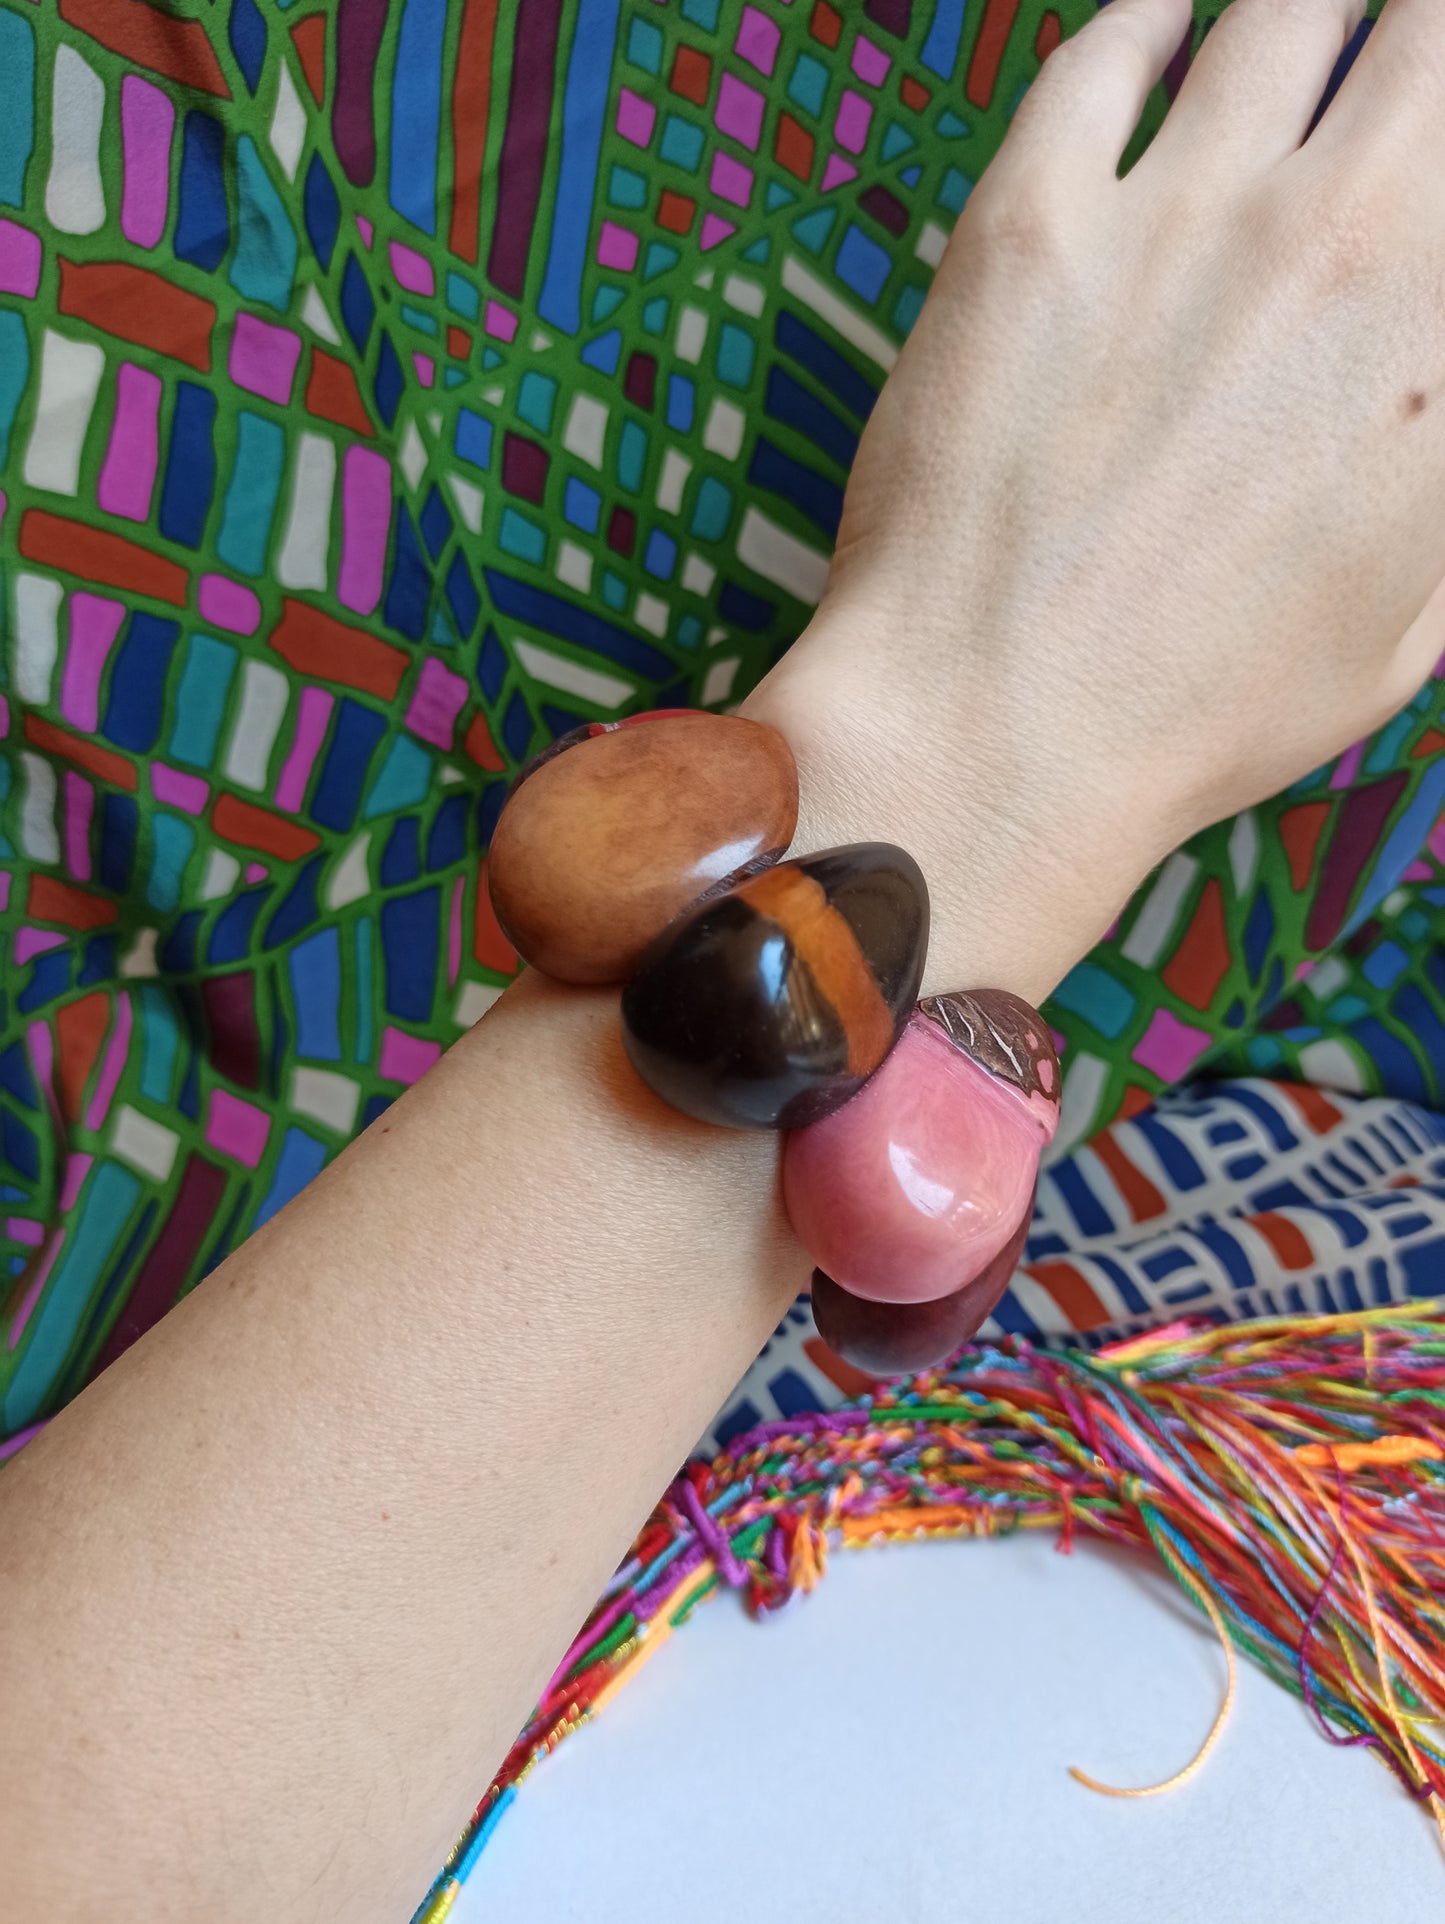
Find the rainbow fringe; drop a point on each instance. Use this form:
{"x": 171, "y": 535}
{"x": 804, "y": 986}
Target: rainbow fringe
{"x": 1289, "y": 1473}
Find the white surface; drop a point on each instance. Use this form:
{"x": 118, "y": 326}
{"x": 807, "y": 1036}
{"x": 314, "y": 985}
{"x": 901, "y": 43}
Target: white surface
{"x": 895, "y": 1748}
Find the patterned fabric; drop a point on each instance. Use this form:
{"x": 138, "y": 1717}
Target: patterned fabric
{"x": 384, "y": 388}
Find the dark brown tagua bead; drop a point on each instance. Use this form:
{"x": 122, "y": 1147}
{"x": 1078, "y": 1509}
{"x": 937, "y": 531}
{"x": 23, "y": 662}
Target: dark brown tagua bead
{"x": 768, "y": 1007}
{"x": 616, "y": 829}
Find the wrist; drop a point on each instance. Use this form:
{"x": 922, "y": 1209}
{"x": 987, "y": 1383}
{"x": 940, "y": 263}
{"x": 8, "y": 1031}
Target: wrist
{"x": 1029, "y": 852}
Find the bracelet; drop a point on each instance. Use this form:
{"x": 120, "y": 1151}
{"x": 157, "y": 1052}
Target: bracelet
{"x": 773, "y": 994}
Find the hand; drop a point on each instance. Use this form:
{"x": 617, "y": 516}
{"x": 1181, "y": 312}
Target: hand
{"x": 1150, "y": 518}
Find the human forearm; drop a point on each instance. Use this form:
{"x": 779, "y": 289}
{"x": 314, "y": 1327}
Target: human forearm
{"x": 281, "y": 1586}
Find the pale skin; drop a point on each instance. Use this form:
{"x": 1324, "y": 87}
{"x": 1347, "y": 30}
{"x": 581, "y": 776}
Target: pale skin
{"x": 280, "y": 1587}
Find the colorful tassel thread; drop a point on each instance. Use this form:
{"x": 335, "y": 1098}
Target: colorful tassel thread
{"x": 1289, "y": 1473}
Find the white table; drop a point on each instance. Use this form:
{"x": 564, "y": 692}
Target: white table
{"x": 895, "y": 1748}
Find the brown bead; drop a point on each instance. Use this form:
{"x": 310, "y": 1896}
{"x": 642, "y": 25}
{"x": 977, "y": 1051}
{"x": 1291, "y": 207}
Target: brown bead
{"x": 769, "y": 1006}
{"x": 609, "y": 835}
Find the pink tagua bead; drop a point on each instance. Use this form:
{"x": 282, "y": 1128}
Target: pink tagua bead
{"x": 919, "y": 1183}
{"x": 887, "y": 1339}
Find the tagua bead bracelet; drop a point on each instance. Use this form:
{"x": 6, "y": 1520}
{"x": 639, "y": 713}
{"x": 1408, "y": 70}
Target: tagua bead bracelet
{"x": 764, "y": 993}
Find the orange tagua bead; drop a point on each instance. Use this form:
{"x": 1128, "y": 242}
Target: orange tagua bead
{"x": 619, "y": 827}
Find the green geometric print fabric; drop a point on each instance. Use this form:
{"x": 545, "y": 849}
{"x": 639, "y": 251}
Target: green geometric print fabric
{"x": 389, "y": 385}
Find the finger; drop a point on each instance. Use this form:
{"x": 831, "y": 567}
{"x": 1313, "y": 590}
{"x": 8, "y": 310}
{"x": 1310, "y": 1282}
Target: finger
{"x": 1256, "y": 84}
{"x": 890, "y": 1339}
{"x": 1086, "y": 103}
{"x": 1398, "y": 81}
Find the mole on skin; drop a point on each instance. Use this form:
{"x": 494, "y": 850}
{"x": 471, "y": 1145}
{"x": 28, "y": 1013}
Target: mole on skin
{"x": 1416, "y": 403}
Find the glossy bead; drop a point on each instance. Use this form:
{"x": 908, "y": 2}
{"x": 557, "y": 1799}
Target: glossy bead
{"x": 887, "y": 1339}
{"x": 768, "y": 1007}
{"x": 618, "y": 827}
{"x": 913, "y": 1189}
